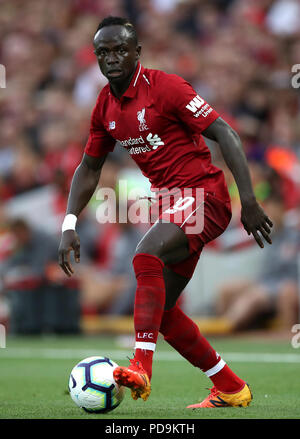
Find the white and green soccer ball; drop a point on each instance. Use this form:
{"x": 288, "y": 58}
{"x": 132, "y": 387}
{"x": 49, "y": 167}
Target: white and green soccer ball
{"x": 92, "y": 386}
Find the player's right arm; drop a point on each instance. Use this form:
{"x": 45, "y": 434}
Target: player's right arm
{"x": 84, "y": 183}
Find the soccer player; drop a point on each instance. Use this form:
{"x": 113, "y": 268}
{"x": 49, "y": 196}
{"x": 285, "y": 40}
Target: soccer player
{"x": 160, "y": 120}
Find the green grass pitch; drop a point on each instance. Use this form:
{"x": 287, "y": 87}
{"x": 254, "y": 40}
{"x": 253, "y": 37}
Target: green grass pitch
{"x": 34, "y": 376}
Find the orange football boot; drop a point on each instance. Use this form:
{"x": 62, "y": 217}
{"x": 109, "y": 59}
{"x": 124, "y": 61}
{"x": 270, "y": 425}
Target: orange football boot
{"x": 216, "y": 398}
{"x": 134, "y": 377}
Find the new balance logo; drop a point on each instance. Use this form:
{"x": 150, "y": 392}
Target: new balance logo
{"x": 219, "y": 402}
{"x": 195, "y": 104}
{"x": 154, "y": 141}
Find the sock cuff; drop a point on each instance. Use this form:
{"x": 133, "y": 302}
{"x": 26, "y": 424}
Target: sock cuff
{"x": 215, "y": 369}
{"x": 145, "y": 345}
{"x": 139, "y": 258}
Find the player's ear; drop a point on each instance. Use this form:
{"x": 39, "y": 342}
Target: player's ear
{"x": 138, "y": 51}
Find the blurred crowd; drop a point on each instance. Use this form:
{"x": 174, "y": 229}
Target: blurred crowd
{"x": 237, "y": 54}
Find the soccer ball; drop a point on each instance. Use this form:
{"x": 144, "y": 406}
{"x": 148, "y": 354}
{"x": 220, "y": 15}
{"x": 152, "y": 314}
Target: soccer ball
{"x": 92, "y": 386}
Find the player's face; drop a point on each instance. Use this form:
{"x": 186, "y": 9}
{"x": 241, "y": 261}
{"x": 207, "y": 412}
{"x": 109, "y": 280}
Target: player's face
{"x": 116, "y": 52}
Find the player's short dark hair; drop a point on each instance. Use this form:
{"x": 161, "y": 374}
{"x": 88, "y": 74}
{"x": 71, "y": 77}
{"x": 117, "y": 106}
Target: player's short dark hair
{"x": 119, "y": 21}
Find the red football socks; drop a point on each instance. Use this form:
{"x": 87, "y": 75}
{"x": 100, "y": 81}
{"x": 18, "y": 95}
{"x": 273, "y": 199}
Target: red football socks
{"x": 184, "y": 336}
{"x": 177, "y": 328}
{"x": 148, "y": 306}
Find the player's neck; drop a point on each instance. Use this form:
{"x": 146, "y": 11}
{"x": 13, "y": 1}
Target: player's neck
{"x": 119, "y": 89}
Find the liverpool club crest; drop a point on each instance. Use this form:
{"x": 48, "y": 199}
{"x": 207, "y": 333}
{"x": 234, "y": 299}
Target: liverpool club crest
{"x": 142, "y": 121}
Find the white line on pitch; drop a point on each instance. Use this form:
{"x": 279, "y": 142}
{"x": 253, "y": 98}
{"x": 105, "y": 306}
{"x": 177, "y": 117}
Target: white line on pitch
{"x": 249, "y": 357}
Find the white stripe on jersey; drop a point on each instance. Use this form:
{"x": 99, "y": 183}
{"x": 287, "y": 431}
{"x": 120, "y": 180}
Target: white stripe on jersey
{"x": 146, "y": 79}
{"x": 137, "y": 75}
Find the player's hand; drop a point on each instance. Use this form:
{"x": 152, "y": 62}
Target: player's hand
{"x": 255, "y": 220}
{"x": 69, "y": 242}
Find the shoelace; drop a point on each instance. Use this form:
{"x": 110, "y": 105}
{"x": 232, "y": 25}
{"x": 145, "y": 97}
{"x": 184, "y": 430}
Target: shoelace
{"x": 213, "y": 391}
{"x": 136, "y": 365}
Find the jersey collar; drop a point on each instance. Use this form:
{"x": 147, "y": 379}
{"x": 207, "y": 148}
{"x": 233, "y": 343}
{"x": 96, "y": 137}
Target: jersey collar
{"x": 132, "y": 89}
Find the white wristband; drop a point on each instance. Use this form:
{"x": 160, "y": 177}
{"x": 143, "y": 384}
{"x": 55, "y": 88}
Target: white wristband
{"x": 69, "y": 222}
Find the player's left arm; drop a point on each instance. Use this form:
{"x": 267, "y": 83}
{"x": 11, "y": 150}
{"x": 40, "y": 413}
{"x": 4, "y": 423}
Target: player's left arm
{"x": 181, "y": 100}
{"x": 253, "y": 216}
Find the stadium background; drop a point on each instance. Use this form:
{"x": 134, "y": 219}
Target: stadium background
{"x": 237, "y": 54}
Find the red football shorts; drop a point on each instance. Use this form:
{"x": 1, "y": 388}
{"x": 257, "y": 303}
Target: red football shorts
{"x": 200, "y": 214}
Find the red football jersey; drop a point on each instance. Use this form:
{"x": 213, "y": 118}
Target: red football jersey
{"x": 159, "y": 120}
